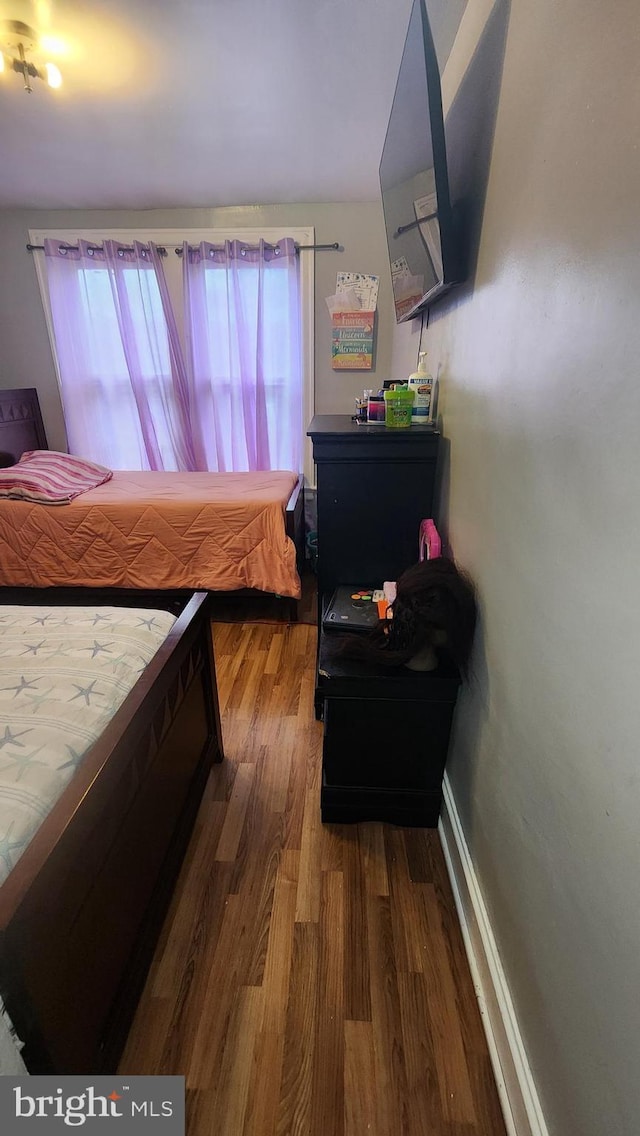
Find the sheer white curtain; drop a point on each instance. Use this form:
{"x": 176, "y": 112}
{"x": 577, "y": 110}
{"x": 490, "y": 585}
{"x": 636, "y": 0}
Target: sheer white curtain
{"x": 122, "y": 375}
{"x": 242, "y": 319}
{"x": 135, "y": 398}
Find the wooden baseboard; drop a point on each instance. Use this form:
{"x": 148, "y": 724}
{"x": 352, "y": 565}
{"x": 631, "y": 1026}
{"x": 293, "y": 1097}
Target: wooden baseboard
{"x": 517, "y": 1091}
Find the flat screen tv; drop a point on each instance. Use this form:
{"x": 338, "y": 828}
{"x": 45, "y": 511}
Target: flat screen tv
{"x": 423, "y": 243}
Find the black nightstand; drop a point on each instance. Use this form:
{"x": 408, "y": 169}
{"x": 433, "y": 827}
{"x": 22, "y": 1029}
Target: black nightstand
{"x": 386, "y": 737}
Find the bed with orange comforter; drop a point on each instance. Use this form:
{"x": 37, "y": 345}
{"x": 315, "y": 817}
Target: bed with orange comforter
{"x": 201, "y": 531}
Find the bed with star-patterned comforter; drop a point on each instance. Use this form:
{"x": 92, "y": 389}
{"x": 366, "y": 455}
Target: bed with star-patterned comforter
{"x": 93, "y": 832}
{"x": 63, "y": 674}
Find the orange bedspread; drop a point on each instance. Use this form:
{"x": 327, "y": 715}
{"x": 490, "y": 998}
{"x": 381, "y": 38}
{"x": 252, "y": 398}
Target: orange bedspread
{"x": 211, "y": 531}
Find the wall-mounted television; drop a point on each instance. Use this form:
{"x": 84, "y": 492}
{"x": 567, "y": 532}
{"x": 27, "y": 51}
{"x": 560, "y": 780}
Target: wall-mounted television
{"x": 424, "y": 246}
{"x": 434, "y": 173}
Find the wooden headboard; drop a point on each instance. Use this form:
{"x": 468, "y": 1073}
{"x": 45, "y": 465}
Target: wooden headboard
{"x": 21, "y": 426}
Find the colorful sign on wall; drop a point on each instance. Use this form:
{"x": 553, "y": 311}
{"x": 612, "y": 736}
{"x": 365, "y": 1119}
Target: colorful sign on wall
{"x": 352, "y": 341}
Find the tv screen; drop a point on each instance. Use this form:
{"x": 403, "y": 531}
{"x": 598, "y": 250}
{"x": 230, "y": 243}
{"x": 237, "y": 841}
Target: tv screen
{"x": 423, "y": 244}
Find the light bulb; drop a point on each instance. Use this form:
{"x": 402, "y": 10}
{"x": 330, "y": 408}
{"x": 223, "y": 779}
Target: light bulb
{"x": 53, "y": 46}
{"x": 54, "y": 78}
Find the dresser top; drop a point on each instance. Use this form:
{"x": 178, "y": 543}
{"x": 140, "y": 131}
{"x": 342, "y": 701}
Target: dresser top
{"x": 343, "y": 426}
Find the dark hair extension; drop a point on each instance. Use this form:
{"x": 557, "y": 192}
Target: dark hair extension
{"x": 435, "y": 606}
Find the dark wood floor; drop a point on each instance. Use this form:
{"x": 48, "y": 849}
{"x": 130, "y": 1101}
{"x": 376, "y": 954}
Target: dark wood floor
{"x": 311, "y": 980}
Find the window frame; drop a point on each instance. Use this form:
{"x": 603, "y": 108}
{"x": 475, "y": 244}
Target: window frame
{"x": 174, "y": 237}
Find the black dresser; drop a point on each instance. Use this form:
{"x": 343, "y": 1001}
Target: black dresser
{"x": 374, "y": 486}
{"x": 386, "y": 730}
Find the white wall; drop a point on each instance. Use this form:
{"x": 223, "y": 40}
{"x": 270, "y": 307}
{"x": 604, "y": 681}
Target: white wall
{"x": 25, "y": 356}
{"x": 540, "y": 408}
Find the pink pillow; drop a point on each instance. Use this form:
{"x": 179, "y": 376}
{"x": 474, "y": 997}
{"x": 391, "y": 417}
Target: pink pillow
{"x": 50, "y": 477}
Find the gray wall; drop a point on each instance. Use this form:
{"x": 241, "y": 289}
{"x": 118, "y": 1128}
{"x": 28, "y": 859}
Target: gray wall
{"x": 25, "y": 357}
{"x": 540, "y": 406}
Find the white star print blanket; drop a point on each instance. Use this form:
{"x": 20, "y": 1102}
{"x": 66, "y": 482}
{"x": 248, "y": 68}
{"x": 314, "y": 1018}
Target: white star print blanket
{"x": 63, "y": 674}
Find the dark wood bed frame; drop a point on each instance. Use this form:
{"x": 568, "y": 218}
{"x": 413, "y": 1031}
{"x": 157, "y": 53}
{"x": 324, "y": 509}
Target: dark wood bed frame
{"x": 21, "y": 428}
{"x": 81, "y": 911}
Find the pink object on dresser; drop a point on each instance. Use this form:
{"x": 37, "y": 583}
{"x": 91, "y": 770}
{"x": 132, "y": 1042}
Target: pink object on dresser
{"x": 429, "y": 541}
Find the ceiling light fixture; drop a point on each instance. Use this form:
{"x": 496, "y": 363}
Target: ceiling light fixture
{"x": 17, "y": 42}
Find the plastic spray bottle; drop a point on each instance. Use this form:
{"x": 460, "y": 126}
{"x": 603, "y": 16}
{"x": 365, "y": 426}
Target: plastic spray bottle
{"x": 421, "y": 383}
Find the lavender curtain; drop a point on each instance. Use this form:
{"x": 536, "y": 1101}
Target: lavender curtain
{"x": 124, "y": 386}
{"x": 242, "y": 328}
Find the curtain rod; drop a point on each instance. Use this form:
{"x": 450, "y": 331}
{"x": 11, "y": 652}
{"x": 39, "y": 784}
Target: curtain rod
{"x": 335, "y": 246}
{"x": 178, "y": 250}
{"x": 98, "y": 248}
